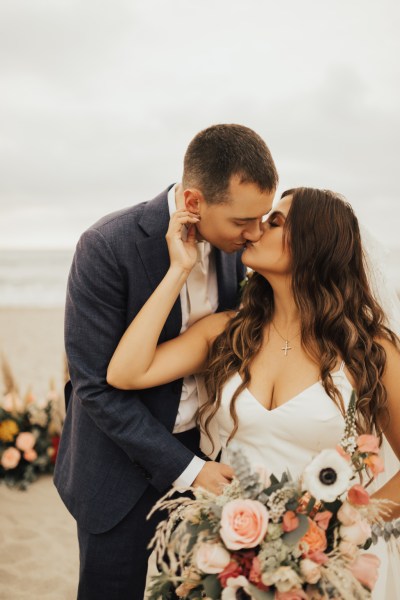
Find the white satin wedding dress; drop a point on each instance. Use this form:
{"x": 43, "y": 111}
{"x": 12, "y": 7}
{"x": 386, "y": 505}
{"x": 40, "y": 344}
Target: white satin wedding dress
{"x": 289, "y": 437}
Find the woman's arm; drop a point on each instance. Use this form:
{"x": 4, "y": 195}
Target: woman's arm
{"x": 391, "y": 381}
{"x": 138, "y": 362}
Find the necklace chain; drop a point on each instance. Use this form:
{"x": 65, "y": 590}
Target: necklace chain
{"x": 286, "y": 347}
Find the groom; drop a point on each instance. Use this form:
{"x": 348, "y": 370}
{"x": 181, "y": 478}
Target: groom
{"x": 120, "y": 451}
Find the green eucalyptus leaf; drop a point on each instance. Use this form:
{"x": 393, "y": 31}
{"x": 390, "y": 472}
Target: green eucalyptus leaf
{"x": 212, "y": 587}
{"x": 258, "y": 594}
{"x": 293, "y": 537}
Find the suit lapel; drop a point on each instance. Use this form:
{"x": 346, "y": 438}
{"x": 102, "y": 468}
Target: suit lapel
{"x": 227, "y": 279}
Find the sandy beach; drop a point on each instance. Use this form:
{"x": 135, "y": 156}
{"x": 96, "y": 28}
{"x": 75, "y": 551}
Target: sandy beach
{"x": 38, "y": 546}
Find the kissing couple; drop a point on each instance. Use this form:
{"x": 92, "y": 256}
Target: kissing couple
{"x": 162, "y": 344}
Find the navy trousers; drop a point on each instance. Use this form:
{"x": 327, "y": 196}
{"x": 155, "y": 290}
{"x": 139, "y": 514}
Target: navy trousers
{"x": 113, "y": 565}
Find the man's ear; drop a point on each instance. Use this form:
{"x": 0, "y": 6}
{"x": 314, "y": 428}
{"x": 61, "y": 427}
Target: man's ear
{"x": 193, "y": 199}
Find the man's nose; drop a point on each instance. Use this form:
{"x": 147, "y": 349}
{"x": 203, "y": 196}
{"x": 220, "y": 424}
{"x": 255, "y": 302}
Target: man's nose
{"x": 254, "y": 232}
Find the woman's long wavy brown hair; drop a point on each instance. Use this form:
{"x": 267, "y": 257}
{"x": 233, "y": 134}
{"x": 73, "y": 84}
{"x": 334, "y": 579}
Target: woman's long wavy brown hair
{"x": 338, "y": 313}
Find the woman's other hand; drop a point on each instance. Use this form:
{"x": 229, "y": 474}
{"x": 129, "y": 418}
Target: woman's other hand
{"x": 181, "y": 239}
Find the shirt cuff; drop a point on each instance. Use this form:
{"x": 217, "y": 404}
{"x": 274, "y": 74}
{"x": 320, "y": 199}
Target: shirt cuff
{"x": 188, "y": 476}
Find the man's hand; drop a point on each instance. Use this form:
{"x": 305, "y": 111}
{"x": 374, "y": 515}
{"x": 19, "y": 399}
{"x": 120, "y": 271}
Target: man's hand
{"x": 213, "y": 477}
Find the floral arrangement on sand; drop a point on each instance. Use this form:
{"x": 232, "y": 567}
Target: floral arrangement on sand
{"x": 29, "y": 433}
{"x": 266, "y": 539}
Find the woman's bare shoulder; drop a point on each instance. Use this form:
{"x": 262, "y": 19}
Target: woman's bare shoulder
{"x": 212, "y": 325}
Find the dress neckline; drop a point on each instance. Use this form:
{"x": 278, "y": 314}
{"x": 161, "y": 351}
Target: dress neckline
{"x": 291, "y": 400}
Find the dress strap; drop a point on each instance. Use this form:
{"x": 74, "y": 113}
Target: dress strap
{"x": 342, "y": 366}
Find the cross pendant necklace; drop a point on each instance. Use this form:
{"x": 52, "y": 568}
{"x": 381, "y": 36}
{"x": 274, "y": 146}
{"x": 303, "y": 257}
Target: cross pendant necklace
{"x": 285, "y": 349}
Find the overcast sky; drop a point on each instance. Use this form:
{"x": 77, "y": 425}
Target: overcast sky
{"x": 100, "y": 99}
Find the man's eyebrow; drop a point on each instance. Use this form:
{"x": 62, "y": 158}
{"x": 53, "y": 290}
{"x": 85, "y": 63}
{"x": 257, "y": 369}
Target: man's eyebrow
{"x": 249, "y": 218}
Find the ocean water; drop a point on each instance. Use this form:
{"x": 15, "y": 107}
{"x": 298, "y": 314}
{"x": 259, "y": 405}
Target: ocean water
{"x": 34, "y": 277}
{"x": 39, "y": 277}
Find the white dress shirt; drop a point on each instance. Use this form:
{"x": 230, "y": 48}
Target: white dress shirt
{"x": 188, "y": 405}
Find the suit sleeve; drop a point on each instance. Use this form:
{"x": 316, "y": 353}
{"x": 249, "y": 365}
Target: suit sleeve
{"x": 95, "y": 321}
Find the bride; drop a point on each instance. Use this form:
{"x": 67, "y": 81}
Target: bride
{"x": 279, "y": 373}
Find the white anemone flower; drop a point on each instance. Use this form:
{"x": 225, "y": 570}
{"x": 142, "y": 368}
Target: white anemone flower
{"x": 327, "y": 476}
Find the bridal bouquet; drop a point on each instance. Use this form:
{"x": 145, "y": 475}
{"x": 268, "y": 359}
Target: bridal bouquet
{"x": 29, "y": 437}
{"x": 266, "y": 539}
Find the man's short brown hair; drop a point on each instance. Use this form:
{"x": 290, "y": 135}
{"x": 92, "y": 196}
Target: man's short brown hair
{"x": 222, "y": 151}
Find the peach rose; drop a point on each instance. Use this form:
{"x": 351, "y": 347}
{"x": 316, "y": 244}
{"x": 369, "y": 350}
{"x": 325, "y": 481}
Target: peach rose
{"x": 291, "y": 595}
{"x": 375, "y": 464}
{"x": 365, "y": 569}
{"x": 30, "y": 455}
{"x": 10, "y": 458}
{"x": 358, "y": 495}
{"x": 315, "y": 538}
{"x": 290, "y": 521}
{"x": 244, "y": 524}
{"x": 319, "y": 557}
{"x": 322, "y": 519}
{"x": 212, "y": 558}
{"x": 358, "y": 533}
{"x": 310, "y": 570}
{"x": 368, "y": 443}
{"x": 347, "y": 514}
{"x": 25, "y": 441}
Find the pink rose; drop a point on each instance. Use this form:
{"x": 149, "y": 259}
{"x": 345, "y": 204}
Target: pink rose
{"x": 322, "y": 519}
{"x": 212, "y": 558}
{"x": 255, "y": 574}
{"x": 347, "y": 514}
{"x": 368, "y": 443}
{"x": 375, "y": 464}
{"x": 310, "y": 570}
{"x": 291, "y": 595}
{"x": 244, "y": 524}
{"x": 358, "y": 495}
{"x": 358, "y": 533}
{"x": 10, "y": 458}
{"x": 25, "y": 441}
{"x": 365, "y": 569}
{"x": 30, "y": 455}
{"x": 290, "y": 521}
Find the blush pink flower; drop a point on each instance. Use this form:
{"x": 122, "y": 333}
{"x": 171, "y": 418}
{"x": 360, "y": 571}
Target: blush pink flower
{"x": 368, "y": 443}
{"x": 25, "y": 441}
{"x": 290, "y": 521}
{"x": 358, "y": 495}
{"x": 357, "y": 534}
{"x": 212, "y": 558}
{"x": 244, "y": 524}
{"x": 322, "y": 519}
{"x": 365, "y": 569}
{"x": 348, "y": 514}
{"x": 318, "y": 556}
{"x": 10, "y": 458}
{"x": 255, "y": 574}
{"x": 375, "y": 464}
{"x": 30, "y": 455}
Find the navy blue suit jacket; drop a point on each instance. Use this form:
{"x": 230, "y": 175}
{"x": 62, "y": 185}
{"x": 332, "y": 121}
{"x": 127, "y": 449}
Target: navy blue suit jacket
{"x": 116, "y": 443}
